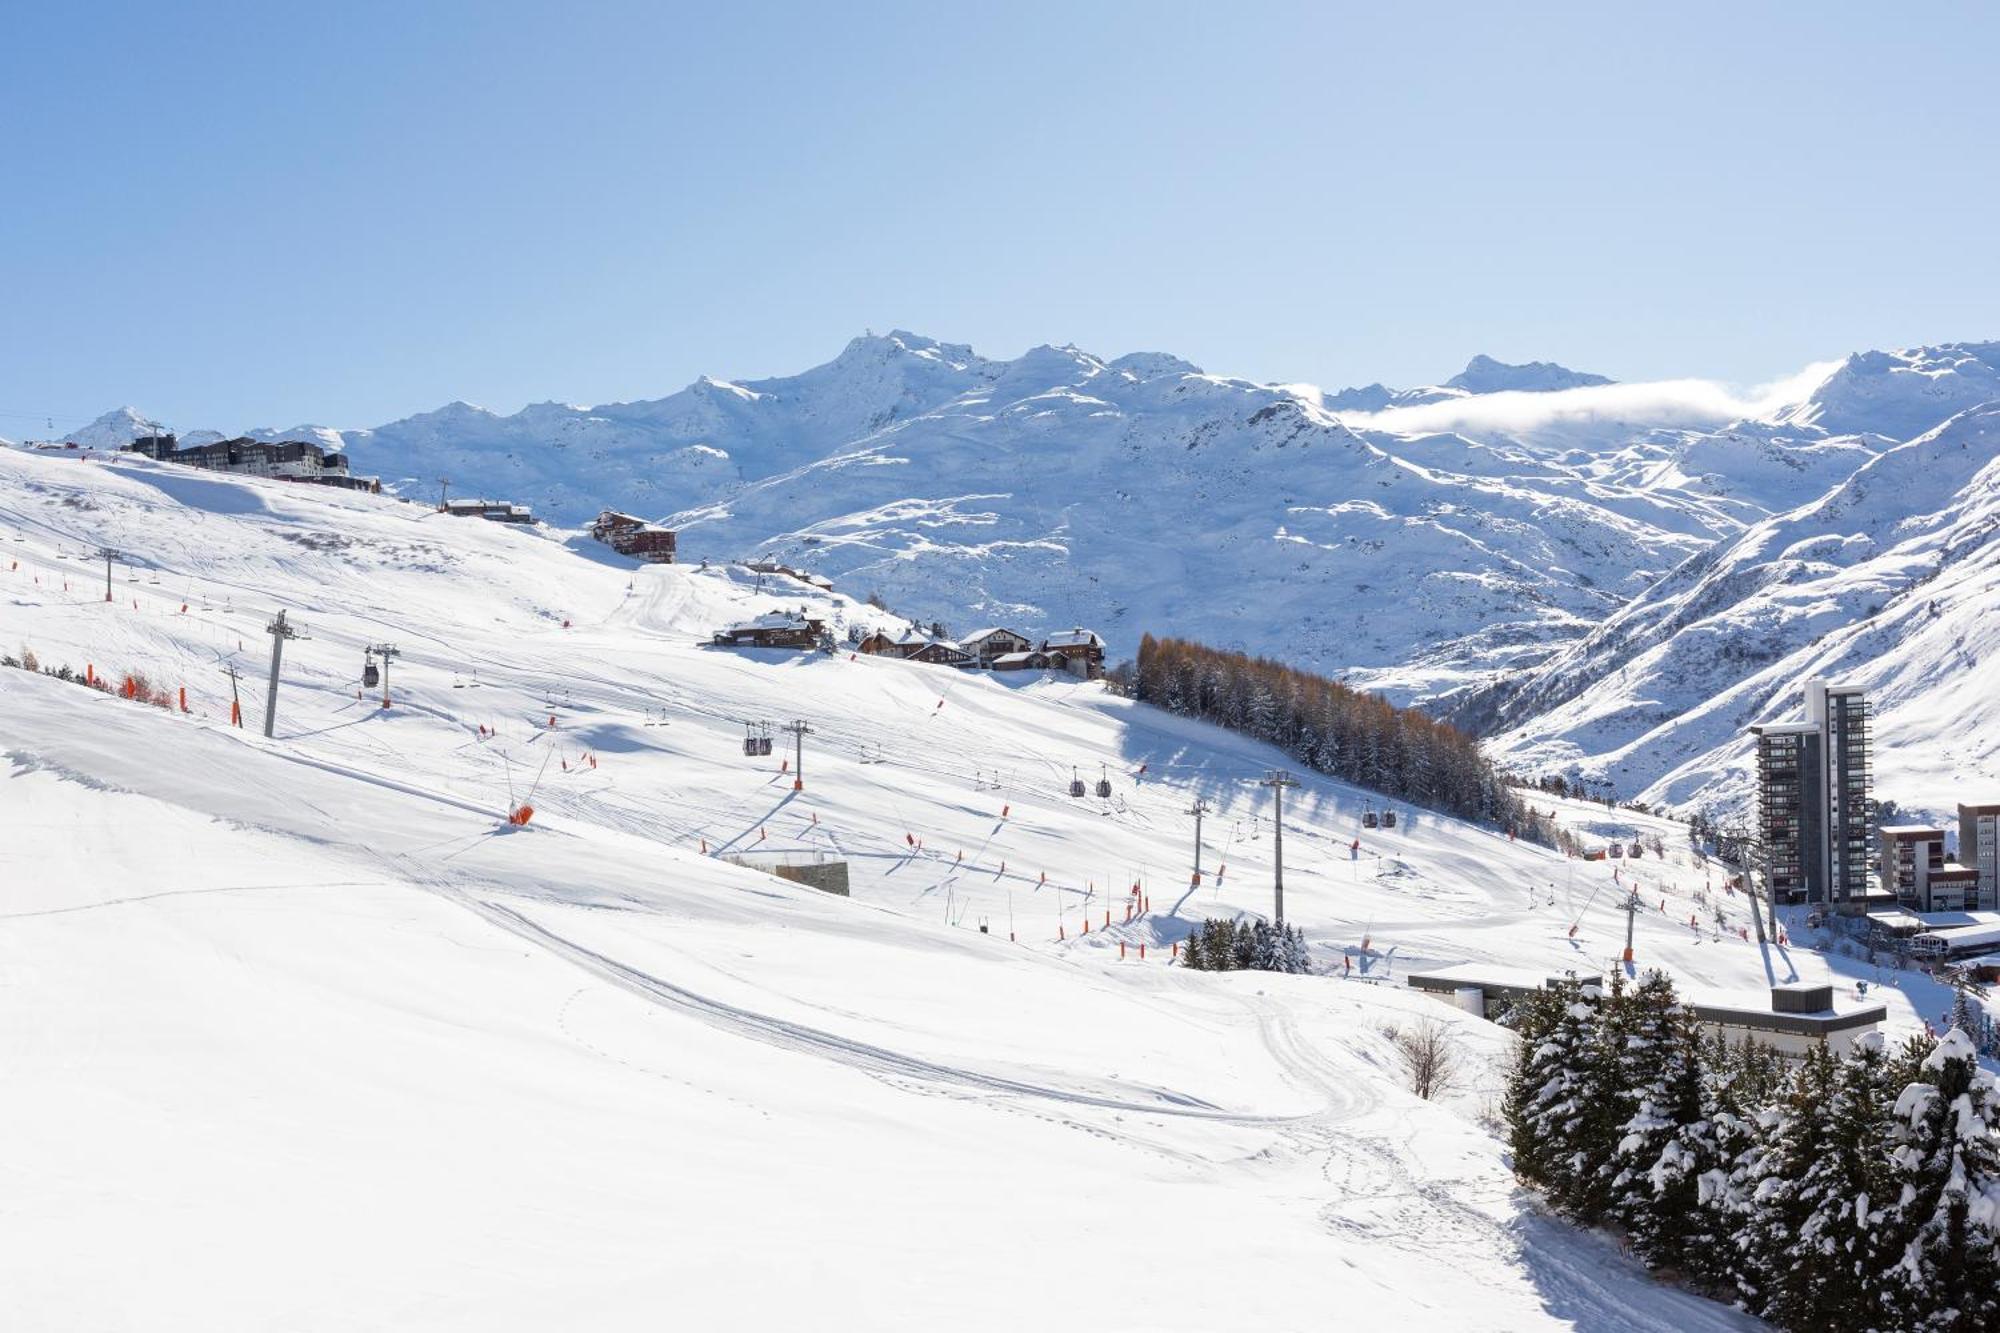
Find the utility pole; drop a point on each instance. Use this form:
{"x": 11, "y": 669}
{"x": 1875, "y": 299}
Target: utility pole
{"x": 109, "y": 555}
{"x": 1277, "y": 780}
{"x": 385, "y": 651}
{"x": 279, "y": 631}
{"x": 1198, "y": 809}
{"x": 800, "y": 729}
{"x": 444, "y": 490}
{"x": 235, "y": 703}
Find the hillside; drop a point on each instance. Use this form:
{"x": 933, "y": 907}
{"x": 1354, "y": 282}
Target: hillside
{"x": 1888, "y": 580}
{"x": 316, "y": 1011}
{"x": 1517, "y": 548}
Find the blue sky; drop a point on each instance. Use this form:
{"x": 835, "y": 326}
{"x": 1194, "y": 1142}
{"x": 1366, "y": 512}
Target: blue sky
{"x": 241, "y": 215}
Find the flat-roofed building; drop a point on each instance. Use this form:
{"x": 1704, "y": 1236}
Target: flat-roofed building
{"x": 1979, "y": 848}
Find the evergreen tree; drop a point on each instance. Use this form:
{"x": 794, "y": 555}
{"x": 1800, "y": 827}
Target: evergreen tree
{"x": 1533, "y": 1018}
{"x": 1653, "y": 1173}
{"x": 1838, "y": 1257}
{"x": 1736, "y": 1083}
{"x": 1559, "y": 1108}
{"x": 1792, "y": 1136}
{"x": 1946, "y": 1163}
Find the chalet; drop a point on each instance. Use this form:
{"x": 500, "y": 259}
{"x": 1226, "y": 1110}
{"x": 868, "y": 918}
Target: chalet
{"x": 880, "y": 644}
{"x": 1032, "y": 660}
{"x": 629, "y": 535}
{"x": 494, "y": 511}
{"x": 942, "y": 652}
{"x": 987, "y": 645}
{"x": 1082, "y": 650}
{"x": 775, "y": 629}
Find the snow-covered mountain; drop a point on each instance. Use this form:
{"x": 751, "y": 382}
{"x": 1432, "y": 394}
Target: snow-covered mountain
{"x": 1891, "y": 579}
{"x": 1481, "y": 375}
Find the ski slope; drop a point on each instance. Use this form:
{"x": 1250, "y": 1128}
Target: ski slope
{"x": 298, "y": 1034}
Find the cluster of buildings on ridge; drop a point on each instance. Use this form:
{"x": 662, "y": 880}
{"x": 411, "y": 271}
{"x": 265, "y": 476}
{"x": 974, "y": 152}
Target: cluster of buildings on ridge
{"x": 1815, "y": 835}
{"x": 1077, "y": 652}
{"x": 287, "y": 460}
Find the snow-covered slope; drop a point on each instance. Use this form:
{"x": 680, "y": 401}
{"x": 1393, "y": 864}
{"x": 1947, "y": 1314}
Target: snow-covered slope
{"x": 283, "y": 1012}
{"x": 1889, "y": 579}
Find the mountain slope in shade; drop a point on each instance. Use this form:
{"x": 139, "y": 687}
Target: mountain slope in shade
{"x": 1891, "y": 579}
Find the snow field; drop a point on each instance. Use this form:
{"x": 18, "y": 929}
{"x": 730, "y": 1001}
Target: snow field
{"x": 296, "y": 1036}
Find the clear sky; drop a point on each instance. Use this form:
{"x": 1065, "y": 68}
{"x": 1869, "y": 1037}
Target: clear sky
{"x": 263, "y": 214}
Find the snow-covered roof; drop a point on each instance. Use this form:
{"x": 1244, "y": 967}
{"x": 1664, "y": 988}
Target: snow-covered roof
{"x": 1018, "y": 657}
{"x": 1075, "y": 638}
{"x": 1911, "y": 831}
{"x": 775, "y": 620}
{"x": 991, "y": 630}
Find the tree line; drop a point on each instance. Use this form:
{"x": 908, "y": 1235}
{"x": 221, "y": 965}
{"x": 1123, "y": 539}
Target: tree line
{"x": 1328, "y": 727}
{"x": 1838, "y": 1194}
{"x": 1221, "y": 945}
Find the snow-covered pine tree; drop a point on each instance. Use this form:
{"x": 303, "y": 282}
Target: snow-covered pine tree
{"x": 1791, "y": 1136}
{"x": 1736, "y": 1084}
{"x": 1191, "y": 952}
{"x": 1564, "y": 1112}
{"x": 1533, "y": 1017}
{"x": 1595, "y": 1137}
{"x": 1651, "y": 1186}
{"x": 1946, "y": 1161}
{"x": 1838, "y": 1266}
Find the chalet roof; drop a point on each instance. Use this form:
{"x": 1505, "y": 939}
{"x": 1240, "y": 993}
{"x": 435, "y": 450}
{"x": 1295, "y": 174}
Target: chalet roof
{"x": 1011, "y": 659}
{"x": 989, "y": 632}
{"x": 1075, "y": 638}
{"x": 777, "y": 620}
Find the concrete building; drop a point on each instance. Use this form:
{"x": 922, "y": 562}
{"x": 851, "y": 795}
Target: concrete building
{"x": 1800, "y": 1015}
{"x": 1979, "y": 848}
{"x": 1916, "y": 870}
{"x": 1813, "y": 811}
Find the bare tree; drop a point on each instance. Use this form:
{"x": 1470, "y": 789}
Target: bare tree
{"x": 1431, "y": 1057}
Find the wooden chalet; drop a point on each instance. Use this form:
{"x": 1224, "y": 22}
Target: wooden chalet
{"x": 942, "y": 652}
{"x": 1034, "y": 659}
{"x": 630, "y": 535}
{"x": 775, "y": 629}
{"x": 989, "y": 645}
{"x": 1082, "y": 650}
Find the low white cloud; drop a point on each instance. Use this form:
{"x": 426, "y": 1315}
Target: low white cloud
{"x": 1686, "y": 402}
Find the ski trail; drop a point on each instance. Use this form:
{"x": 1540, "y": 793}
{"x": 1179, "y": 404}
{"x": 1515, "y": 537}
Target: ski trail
{"x": 865, "y": 1057}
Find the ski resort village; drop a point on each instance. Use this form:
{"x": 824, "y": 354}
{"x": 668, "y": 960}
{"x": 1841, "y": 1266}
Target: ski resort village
{"x": 605, "y": 909}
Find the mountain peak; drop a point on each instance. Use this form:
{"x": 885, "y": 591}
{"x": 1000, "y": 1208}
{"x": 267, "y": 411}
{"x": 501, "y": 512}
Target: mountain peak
{"x": 1484, "y": 374}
